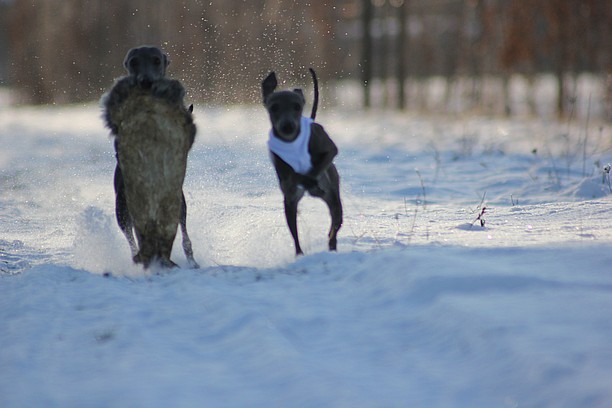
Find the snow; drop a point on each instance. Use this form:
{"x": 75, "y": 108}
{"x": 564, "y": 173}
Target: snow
{"x": 421, "y": 306}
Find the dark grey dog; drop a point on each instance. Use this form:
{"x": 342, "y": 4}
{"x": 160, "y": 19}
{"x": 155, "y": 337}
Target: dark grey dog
{"x": 302, "y": 154}
{"x": 153, "y": 132}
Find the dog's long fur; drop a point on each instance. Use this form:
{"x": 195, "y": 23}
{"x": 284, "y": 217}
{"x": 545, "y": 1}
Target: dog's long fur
{"x": 322, "y": 180}
{"x": 153, "y": 133}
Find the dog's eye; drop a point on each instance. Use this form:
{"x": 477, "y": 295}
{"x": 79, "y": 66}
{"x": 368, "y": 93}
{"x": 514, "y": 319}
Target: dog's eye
{"x": 134, "y": 62}
{"x": 274, "y": 108}
{"x": 156, "y": 61}
{"x": 297, "y": 107}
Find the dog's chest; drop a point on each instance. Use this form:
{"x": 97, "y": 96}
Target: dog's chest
{"x": 295, "y": 153}
{"x": 153, "y": 142}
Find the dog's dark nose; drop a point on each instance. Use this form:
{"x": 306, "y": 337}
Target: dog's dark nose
{"x": 145, "y": 81}
{"x": 287, "y": 128}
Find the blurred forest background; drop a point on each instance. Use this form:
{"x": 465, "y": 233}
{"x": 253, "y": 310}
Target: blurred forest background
{"x": 442, "y": 55}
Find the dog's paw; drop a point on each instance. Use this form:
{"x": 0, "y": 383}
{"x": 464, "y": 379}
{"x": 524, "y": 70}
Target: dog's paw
{"x": 118, "y": 93}
{"x": 170, "y": 90}
{"x": 192, "y": 264}
{"x": 125, "y": 85}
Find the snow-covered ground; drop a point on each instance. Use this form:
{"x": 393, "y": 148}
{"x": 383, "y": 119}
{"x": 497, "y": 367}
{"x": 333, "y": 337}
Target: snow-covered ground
{"x": 422, "y": 306}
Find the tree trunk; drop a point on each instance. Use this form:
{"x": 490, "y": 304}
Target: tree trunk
{"x": 402, "y": 41}
{"x": 366, "y": 56}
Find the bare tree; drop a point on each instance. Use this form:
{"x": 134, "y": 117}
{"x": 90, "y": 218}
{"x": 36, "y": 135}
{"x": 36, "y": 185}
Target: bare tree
{"x": 401, "y": 51}
{"x": 367, "y": 15}
{"x": 72, "y": 50}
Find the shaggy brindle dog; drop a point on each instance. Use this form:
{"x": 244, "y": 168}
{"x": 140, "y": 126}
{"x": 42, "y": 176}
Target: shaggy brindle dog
{"x": 153, "y": 133}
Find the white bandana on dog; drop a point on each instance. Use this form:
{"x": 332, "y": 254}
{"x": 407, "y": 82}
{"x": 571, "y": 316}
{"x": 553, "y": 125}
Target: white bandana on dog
{"x": 294, "y": 153}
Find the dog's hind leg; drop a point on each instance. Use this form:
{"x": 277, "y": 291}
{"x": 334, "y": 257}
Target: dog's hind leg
{"x": 331, "y": 181}
{"x": 124, "y": 219}
{"x": 335, "y": 210}
{"x": 187, "y": 248}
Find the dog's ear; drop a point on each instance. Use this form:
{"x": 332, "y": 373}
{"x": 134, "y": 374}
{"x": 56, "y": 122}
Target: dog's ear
{"x": 268, "y": 85}
{"x": 128, "y": 56}
{"x": 165, "y": 62}
{"x": 300, "y": 92}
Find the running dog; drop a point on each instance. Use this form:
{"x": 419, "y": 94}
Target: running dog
{"x": 153, "y": 133}
{"x": 302, "y": 154}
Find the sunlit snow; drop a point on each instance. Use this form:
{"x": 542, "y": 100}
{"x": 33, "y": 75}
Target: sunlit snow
{"x": 422, "y": 306}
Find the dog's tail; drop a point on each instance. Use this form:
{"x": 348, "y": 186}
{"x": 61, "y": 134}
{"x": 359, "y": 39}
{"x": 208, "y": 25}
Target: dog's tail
{"x": 315, "y": 103}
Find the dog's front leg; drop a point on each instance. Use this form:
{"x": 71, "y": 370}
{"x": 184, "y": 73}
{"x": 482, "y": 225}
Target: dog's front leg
{"x": 291, "y": 205}
{"x": 170, "y": 90}
{"x": 292, "y": 196}
{"x": 114, "y": 99}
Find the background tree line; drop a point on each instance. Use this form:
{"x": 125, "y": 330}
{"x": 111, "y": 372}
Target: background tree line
{"x": 71, "y": 50}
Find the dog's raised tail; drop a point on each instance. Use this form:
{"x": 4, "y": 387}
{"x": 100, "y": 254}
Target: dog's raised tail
{"x": 315, "y": 103}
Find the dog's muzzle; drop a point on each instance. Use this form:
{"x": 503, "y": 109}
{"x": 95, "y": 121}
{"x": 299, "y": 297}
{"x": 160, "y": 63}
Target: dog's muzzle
{"x": 145, "y": 81}
{"x": 287, "y": 128}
